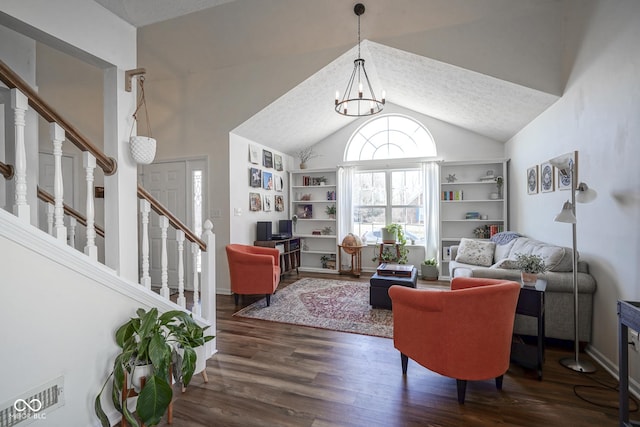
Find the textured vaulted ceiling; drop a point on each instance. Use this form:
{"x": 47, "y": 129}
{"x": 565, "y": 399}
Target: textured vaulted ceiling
{"x": 483, "y": 104}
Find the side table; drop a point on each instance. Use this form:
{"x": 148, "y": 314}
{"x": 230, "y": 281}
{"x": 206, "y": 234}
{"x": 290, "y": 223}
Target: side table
{"x": 628, "y": 317}
{"x": 531, "y": 303}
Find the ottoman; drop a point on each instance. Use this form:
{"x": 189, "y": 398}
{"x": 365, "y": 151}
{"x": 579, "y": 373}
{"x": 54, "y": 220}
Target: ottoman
{"x": 379, "y": 288}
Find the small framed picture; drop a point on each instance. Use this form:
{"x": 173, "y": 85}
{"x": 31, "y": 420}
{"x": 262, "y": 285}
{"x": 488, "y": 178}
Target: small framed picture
{"x": 266, "y": 205}
{"x": 305, "y": 211}
{"x": 532, "y": 180}
{"x": 564, "y": 177}
{"x": 254, "y": 154}
{"x": 279, "y": 182}
{"x": 255, "y": 202}
{"x": 267, "y": 180}
{"x": 547, "y": 178}
{"x": 277, "y": 162}
{"x": 255, "y": 177}
{"x": 267, "y": 159}
{"x": 279, "y": 203}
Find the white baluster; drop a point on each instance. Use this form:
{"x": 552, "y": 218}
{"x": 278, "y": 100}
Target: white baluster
{"x": 196, "y": 309}
{"x": 73, "y": 223}
{"x": 145, "y": 209}
{"x": 164, "y": 275}
{"x": 19, "y": 103}
{"x": 209, "y": 284}
{"x": 182, "y": 302}
{"x": 57, "y": 137}
{"x": 89, "y": 164}
{"x": 50, "y": 210}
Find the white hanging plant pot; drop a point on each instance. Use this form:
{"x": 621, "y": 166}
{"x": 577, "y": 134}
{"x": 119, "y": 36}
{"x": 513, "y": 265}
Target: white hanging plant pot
{"x": 143, "y": 149}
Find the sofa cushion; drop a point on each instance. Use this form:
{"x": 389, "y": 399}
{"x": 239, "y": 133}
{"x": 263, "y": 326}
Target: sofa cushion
{"x": 556, "y": 258}
{"x": 503, "y": 251}
{"x": 475, "y": 252}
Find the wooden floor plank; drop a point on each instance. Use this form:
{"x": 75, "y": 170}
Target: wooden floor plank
{"x": 273, "y": 374}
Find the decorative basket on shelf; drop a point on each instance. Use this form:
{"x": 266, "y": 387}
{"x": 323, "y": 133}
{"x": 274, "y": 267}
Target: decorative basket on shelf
{"x": 142, "y": 148}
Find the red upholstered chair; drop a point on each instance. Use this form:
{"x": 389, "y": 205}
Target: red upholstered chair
{"x": 253, "y": 270}
{"x": 464, "y": 333}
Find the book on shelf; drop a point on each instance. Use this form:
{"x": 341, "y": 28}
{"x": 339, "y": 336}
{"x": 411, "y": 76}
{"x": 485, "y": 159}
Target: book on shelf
{"x": 399, "y": 270}
{"x": 452, "y": 195}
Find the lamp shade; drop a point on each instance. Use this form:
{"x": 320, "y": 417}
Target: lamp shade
{"x": 584, "y": 194}
{"x": 566, "y": 214}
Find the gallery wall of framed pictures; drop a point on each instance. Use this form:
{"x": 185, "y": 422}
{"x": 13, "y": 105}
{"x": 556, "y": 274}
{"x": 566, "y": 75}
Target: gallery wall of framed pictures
{"x": 546, "y": 178}
{"x": 266, "y": 180}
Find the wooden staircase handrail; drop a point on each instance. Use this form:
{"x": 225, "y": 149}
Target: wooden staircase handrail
{"x": 6, "y": 170}
{"x": 14, "y": 81}
{"x": 173, "y": 220}
{"x": 46, "y": 197}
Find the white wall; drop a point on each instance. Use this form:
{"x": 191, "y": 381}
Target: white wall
{"x": 243, "y": 221}
{"x": 598, "y": 116}
{"x": 59, "y": 319}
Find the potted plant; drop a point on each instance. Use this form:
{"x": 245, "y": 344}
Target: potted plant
{"x": 331, "y": 211}
{"x": 393, "y": 234}
{"x": 530, "y": 266}
{"x": 429, "y": 269}
{"x": 305, "y": 155}
{"x": 152, "y": 340}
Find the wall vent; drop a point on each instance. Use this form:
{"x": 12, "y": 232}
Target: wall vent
{"x": 33, "y": 405}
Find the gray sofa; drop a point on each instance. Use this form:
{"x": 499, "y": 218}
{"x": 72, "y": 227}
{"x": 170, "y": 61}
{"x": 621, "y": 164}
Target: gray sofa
{"x": 474, "y": 258}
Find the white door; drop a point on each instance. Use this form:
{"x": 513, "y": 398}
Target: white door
{"x": 167, "y": 183}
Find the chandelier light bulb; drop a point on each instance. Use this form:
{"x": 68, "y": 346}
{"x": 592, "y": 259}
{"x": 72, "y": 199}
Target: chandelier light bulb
{"x": 360, "y": 90}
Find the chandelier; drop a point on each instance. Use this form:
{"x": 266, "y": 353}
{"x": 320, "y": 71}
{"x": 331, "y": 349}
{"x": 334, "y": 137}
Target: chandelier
{"x": 364, "y": 103}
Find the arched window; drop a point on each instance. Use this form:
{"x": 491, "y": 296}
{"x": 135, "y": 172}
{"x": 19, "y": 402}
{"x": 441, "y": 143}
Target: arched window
{"x": 390, "y": 137}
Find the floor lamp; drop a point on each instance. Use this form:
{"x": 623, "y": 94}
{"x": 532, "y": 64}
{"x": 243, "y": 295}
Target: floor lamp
{"x": 582, "y": 194}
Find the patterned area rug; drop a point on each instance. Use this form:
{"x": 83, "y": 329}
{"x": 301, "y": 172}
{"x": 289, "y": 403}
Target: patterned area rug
{"x": 327, "y": 304}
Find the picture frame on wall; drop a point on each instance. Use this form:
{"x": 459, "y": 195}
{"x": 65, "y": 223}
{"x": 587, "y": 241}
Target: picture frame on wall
{"x": 267, "y": 159}
{"x": 266, "y": 205}
{"x": 255, "y": 202}
{"x": 254, "y": 154}
{"x": 279, "y": 203}
{"x": 255, "y": 177}
{"x": 547, "y": 178}
{"x": 279, "y": 182}
{"x": 532, "y": 180}
{"x": 267, "y": 180}
{"x": 564, "y": 180}
{"x": 277, "y": 162}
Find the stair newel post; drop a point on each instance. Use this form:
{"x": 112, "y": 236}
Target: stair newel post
{"x": 71, "y": 238}
{"x": 57, "y": 137}
{"x": 164, "y": 274}
{"x": 19, "y": 103}
{"x": 196, "y": 309}
{"x": 89, "y": 164}
{"x": 209, "y": 283}
{"x": 182, "y": 302}
{"x": 50, "y": 211}
{"x": 145, "y": 209}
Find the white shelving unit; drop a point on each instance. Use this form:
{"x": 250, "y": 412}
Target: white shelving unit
{"x": 309, "y": 197}
{"x": 472, "y": 191}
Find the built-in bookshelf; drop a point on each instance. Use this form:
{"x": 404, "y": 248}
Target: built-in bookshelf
{"x": 472, "y": 204}
{"x": 313, "y": 201}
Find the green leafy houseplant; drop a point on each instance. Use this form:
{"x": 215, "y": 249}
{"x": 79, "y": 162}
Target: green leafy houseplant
{"x": 429, "y": 269}
{"x": 389, "y": 254}
{"x": 430, "y": 261}
{"x": 532, "y": 264}
{"x": 152, "y": 339}
{"x": 330, "y": 210}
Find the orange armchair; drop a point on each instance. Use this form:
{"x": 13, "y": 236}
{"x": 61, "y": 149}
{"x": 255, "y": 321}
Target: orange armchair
{"x": 464, "y": 333}
{"x": 253, "y": 270}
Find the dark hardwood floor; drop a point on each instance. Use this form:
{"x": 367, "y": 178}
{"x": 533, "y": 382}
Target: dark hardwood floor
{"x": 273, "y": 374}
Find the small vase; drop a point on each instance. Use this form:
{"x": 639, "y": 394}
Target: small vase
{"x": 303, "y": 165}
{"x": 143, "y": 149}
{"x": 529, "y": 279}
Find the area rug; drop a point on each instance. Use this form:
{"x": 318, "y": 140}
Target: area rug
{"x": 338, "y": 305}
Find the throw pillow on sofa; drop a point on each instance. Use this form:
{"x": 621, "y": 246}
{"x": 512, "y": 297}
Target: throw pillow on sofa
{"x": 476, "y": 252}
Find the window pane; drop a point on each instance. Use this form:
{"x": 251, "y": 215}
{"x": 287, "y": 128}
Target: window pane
{"x": 368, "y": 222}
{"x": 412, "y": 220}
{"x": 406, "y": 188}
{"x": 369, "y": 189}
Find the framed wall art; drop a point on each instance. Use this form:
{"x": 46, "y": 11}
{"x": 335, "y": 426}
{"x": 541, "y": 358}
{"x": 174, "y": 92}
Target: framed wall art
{"x": 277, "y": 162}
{"x": 266, "y": 203}
{"x": 564, "y": 180}
{"x": 279, "y": 182}
{"x": 279, "y": 202}
{"x": 255, "y": 202}
{"x": 267, "y": 180}
{"x": 547, "y": 178}
{"x": 254, "y": 154}
{"x": 267, "y": 159}
{"x": 255, "y": 177}
{"x": 532, "y": 180}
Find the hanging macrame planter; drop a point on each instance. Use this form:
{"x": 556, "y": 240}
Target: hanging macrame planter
{"x": 143, "y": 148}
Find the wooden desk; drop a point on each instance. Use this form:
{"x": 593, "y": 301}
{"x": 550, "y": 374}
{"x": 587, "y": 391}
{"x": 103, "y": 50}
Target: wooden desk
{"x": 356, "y": 259}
